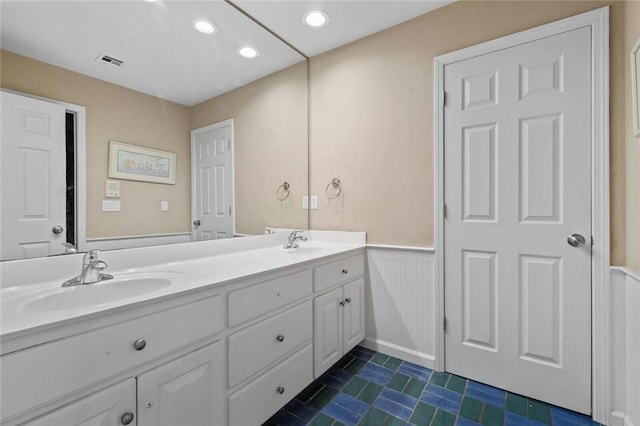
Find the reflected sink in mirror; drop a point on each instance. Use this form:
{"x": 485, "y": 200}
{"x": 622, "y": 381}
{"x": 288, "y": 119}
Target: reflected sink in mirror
{"x": 122, "y": 287}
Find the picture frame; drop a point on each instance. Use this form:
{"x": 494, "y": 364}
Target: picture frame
{"x": 134, "y": 162}
{"x": 635, "y": 87}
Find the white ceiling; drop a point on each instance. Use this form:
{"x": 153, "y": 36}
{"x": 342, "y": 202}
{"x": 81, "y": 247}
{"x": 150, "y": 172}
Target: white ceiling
{"x": 349, "y": 20}
{"x": 164, "y": 57}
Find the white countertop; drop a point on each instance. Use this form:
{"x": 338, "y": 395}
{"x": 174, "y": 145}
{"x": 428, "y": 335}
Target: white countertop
{"x": 199, "y": 272}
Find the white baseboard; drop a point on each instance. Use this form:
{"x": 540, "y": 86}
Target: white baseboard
{"x": 422, "y": 359}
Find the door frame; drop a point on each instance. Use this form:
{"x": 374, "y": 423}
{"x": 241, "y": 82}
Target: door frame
{"x": 194, "y": 132}
{"x": 598, "y": 21}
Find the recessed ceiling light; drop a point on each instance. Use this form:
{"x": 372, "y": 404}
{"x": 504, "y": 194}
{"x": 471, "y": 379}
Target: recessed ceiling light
{"x": 315, "y": 18}
{"x": 248, "y": 52}
{"x": 204, "y": 27}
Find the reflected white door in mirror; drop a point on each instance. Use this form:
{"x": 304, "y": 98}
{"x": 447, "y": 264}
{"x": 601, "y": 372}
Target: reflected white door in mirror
{"x": 34, "y": 178}
{"x": 212, "y": 181}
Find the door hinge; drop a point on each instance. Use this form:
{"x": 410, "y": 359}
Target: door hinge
{"x": 229, "y": 144}
{"x": 592, "y": 242}
{"x": 444, "y": 99}
{"x": 444, "y": 211}
{"x": 444, "y": 323}
{"x": 229, "y": 210}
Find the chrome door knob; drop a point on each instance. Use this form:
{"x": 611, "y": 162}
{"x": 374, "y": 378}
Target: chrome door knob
{"x": 576, "y": 240}
{"x": 57, "y": 229}
{"x": 139, "y": 344}
{"x": 196, "y": 222}
{"x": 280, "y": 390}
{"x": 127, "y": 418}
{"x": 280, "y": 338}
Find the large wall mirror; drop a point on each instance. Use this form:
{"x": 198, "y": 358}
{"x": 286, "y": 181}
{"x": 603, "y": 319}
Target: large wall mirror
{"x": 172, "y": 81}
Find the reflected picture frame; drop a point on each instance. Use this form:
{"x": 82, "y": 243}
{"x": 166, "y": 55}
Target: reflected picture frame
{"x": 635, "y": 87}
{"x": 135, "y": 162}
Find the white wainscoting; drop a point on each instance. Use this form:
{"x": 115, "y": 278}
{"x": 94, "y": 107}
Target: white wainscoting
{"x": 625, "y": 347}
{"x": 400, "y": 303}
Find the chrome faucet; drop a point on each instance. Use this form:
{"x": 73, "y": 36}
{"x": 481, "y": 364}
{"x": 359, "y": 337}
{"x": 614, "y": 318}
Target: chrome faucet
{"x": 294, "y": 237}
{"x": 91, "y": 272}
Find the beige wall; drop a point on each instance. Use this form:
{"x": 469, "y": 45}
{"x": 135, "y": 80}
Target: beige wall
{"x": 371, "y": 117}
{"x": 632, "y": 34}
{"x": 116, "y": 113}
{"x": 270, "y": 129}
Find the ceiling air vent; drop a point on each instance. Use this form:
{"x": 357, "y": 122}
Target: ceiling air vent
{"x": 106, "y": 59}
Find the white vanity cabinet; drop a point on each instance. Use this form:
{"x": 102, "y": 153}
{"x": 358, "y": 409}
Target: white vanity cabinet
{"x": 230, "y": 353}
{"x": 270, "y": 357}
{"x": 338, "y": 315}
{"x": 186, "y": 391}
{"x": 115, "y": 405}
{"x": 59, "y": 375}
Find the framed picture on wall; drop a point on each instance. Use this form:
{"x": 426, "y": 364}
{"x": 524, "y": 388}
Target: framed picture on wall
{"x": 134, "y": 162}
{"x": 635, "y": 87}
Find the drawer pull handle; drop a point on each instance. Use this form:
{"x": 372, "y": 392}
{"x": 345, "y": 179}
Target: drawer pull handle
{"x": 345, "y": 271}
{"x": 127, "y": 418}
{"x": 139, "y": 344}
{"x": 348, "y": 300}
{"x": 280, "y": 390}
{"x": 280, "y": 338}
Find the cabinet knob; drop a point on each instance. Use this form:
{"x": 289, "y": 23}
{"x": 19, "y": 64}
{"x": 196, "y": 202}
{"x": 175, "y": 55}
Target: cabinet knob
{"x": 345, "y": 271}
{"x": 348, "y": 300}
{"x": 280, "y": 390}
{"x": 280, "y": 338}
{"x": 127, "y": 418}
{"x": 139, "y": 344}
{"x": 342, "y": 303}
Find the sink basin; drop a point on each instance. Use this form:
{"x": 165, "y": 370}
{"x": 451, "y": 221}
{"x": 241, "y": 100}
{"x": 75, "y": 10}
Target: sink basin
{"x": 124, "y": 286}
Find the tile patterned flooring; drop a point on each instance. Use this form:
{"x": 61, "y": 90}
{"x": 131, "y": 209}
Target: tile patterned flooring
{"x": 371, "y": 389}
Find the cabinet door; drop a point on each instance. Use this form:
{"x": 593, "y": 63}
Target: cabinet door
{"x": 327, "y": 331}
{"x": 353, "y": 314}
{"x": 104, "y": 408}
{"x": 186, "y": 391}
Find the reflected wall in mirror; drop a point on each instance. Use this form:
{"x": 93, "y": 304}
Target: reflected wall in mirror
{"x": 268, "y": 107}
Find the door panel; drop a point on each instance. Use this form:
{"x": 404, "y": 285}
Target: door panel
{"x": 213, "y": 192}
{"x": 186, "y": 391}
{"x": 353, "y": 315}
{"x": 33, "y": 177}
{"x": 103, "y": 408}
{"x": 327, "y": 331}
{"x": 517, "y": 184}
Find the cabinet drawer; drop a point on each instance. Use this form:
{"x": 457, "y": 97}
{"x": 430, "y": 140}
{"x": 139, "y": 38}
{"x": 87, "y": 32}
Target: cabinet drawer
{"x": 258, "y": 401}
{"x": 338, "y": 272}
{"x": 63, "y": 366}
{"x": 257, "y": 300}
{"x": 293, "y": 327}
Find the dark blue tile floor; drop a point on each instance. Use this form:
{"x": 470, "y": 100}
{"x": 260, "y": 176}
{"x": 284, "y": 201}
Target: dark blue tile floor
{"x": 370, "y": 388}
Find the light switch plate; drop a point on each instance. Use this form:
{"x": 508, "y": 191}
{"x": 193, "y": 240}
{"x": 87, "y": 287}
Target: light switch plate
{"x": 314, "y": 202}
{"x": 305, "y": 202}
{"x": 112, "y": 189}
{"x": 110, "y": 205}
{"x": 164, "y": 206}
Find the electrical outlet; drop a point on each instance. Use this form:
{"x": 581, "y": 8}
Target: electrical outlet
{"x": 164, "y": 206}
{"x": 314, "y": 202}
{"x": 305, "y": 202}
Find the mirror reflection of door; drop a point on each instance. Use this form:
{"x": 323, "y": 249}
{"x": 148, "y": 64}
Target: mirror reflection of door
{"x": 36, "y": 141}
{"x": 212, "y": 181}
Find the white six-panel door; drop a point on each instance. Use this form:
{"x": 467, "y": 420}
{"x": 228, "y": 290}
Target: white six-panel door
{"x": 517, "y": 184}
{"x": 33, "y": 177}
{"x": 212, "y": 179}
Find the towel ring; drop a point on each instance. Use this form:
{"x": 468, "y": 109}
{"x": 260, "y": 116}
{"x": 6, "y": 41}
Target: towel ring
{"x": 335, "y": 184}
{"x": 283, "y": 191}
